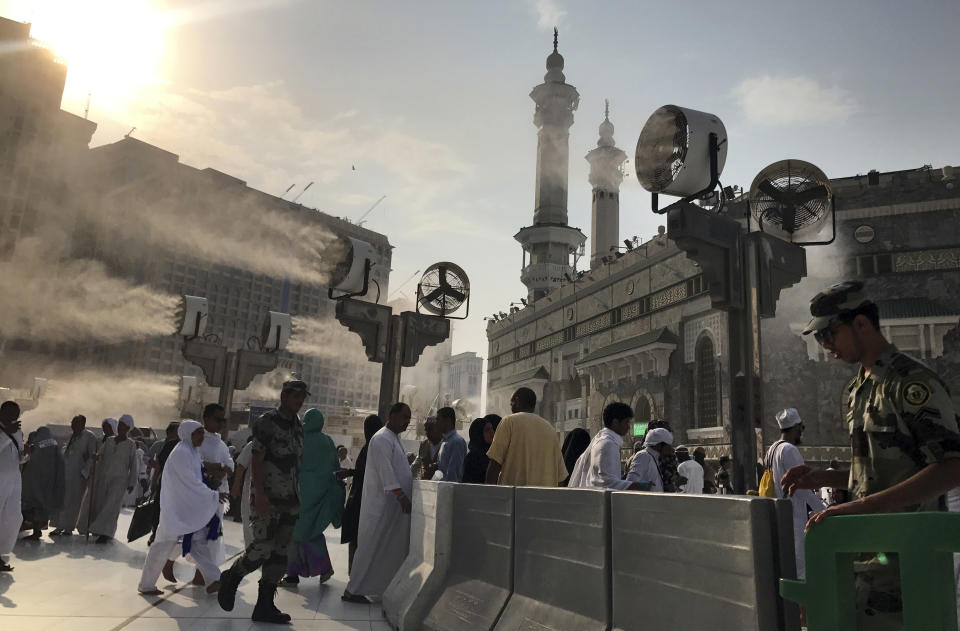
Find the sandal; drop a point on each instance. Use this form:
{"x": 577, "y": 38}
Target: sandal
{"x": 354, "y": 598}
{"x": 5, "y": 567}
{"x": 150, "y": 592}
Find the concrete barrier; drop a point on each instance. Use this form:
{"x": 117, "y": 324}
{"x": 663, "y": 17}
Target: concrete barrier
{"x": 480, "y": 575}
{"x": 561, "y": 575}
{"x": 710, "y": 562}
{"x": 417, "y": 583}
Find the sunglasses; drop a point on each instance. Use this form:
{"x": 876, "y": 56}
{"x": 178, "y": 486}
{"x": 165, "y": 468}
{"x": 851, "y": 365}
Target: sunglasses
{"x": 826, "y": 335}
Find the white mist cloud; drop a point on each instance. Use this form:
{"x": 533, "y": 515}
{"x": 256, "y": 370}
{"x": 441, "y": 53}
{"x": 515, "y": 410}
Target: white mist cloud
{"x": 99, "y": 393}
{"x": 314, "y": 337}
{"x": 772, "y": 101}
{"x": 549, "y": 13}
{"x": 47, "y": 300}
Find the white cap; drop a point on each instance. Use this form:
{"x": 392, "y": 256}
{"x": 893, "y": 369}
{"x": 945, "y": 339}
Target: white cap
{"x": 788, "y": 418}
{"x": 657, "y": 436}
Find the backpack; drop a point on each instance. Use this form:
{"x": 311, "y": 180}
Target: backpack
{"x": 767, "y": 486}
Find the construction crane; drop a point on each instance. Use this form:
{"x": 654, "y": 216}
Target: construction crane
{"x": 364, "y": 215}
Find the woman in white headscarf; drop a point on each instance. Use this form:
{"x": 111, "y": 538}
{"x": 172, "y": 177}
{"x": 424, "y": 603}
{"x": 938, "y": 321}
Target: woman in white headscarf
{"x": 188, "y": 509}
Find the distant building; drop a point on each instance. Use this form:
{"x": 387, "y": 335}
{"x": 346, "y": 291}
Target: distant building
{"x": 40, "y": 144}
{"x": 463, "y": 372}
{"x": 639, "y": 326}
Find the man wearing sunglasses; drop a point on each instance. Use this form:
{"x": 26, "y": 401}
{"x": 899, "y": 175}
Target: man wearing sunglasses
{"x": 903, "y": 435}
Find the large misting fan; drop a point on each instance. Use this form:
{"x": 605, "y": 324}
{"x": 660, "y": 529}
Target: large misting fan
{"x": 791, "y": 195}
{"x": 443, "y": 289}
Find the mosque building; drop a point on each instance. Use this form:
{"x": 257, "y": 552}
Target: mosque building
{"x": 638, "y": 326}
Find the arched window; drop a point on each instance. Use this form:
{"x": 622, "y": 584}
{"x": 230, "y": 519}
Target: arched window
{"x": 706, "y": 383}
{"x": 641, "y": 411}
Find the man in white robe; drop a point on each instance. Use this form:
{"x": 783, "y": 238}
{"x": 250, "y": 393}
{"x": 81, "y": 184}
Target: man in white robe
{"x": 215, "y": 454}
{"x": 78, "y": 457}
{"x": 691, "y": 471}
{"x": 241, "y": 491}
{"x": 780, "y": 458}
{"x": 115, "y": 474}
{"x": 383, "y": 536}
{"x": 188, "y": 508}
{"x": 646, "y": 465}
{"x": 599, "y": 466}
{"x": 11, "y": 457}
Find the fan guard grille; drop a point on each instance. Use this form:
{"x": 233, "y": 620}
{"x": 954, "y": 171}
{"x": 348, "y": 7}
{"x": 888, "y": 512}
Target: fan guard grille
{"x": 791, "y": 195}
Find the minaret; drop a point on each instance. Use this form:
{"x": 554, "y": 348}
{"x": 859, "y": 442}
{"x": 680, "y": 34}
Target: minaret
{"x": 550, "y": 242}
{"x": 605, "y": 178}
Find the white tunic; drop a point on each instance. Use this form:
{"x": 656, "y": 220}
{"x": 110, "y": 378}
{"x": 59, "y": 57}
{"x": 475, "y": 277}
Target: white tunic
{"x": 383, "y": 535}
{"x": 213, "y": 449}
{"x": 693, "y": 472}
{"x": 116, "y": 471}
{"x": 10, "y": 489}
{"x": 645, "y": 468}
{"x": 599, "y": 465}
{"x": 781, "y": 458}
{"x": 77, "y": 464}
{"x": 243, "y": 459}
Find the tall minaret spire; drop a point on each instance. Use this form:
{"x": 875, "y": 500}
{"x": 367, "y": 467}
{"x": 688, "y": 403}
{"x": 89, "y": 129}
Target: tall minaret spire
{"x": 550, "y": 242}
{"x": 605, "y": 177}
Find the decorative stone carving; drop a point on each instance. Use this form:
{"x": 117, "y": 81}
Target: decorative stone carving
{"x": 716, "y": 326}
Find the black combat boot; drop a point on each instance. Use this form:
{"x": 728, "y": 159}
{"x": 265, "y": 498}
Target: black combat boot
{"x": 228, "y": 589}
{"x": 265, "y": 610}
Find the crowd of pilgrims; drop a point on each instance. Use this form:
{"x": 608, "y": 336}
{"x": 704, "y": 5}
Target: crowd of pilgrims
{"x": 182, "y": 484}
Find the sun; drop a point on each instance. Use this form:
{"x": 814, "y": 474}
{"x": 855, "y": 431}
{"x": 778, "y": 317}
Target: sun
{"x": 113, "y": 48}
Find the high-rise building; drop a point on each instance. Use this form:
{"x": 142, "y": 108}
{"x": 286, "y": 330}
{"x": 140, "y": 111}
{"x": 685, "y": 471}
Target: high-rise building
{"x": 40, "y": 144}
{"x": 132, "y": 180}
{"x": 463, "y": 374}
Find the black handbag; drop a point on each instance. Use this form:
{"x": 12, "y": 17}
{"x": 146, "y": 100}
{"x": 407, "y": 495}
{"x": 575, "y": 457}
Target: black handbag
{"x": 144, "y": 518}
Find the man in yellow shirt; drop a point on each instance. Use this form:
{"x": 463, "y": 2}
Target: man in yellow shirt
{"x": 525, "y": 449}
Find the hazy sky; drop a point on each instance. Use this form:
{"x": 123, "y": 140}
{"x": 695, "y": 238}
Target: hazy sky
{"x": 429, "y": 100}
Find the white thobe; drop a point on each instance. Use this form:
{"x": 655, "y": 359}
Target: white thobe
{"x": 781, "y": 458}
{"x": 383, "y": 536}
{"x": 645, "y": 468}
{"x": 77, "y": 464}
{"x": 599, "y": 465}
{"x": 213, "y": 449}
{"x": 11, "y": 515}
{"x": 693, "y": 472}
{"x": 243, "y": 460}
{"x": 116, "y": 470}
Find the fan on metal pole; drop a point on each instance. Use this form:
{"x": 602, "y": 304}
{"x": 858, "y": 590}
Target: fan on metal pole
{"x": 443, "y": 289}
{"x": 794, "y": 197}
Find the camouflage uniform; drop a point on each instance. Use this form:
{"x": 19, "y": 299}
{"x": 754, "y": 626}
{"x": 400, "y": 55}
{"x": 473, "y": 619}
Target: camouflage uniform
{"x": 901, "y": 419}
{"x": 280, "y": 440}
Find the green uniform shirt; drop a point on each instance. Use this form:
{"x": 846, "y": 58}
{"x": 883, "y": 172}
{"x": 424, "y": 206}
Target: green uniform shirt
{"x": 280, "y": 440}
{"x": 901, "y": 419}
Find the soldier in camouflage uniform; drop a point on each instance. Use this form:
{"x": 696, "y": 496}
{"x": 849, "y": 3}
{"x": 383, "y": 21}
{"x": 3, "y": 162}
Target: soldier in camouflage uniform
{"x": 275, "y": 502}
{"x": 904, "y": 438}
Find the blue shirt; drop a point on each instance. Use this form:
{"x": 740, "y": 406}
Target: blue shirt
{"x": 453, "y": 449}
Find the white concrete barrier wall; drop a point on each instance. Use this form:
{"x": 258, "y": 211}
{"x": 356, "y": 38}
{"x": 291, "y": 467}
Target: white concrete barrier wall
{"x": 480, "y": 576}
{"x": 419, "y": 580}
{"x": 698, "y": 562}
{"x": 561, "y": 561}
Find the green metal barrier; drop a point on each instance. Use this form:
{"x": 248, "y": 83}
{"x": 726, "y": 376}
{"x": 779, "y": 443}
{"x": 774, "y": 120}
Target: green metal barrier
{"x": 924, "y": 542}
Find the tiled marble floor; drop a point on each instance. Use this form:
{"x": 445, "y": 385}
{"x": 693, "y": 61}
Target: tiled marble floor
{"x": 65, "y": 584}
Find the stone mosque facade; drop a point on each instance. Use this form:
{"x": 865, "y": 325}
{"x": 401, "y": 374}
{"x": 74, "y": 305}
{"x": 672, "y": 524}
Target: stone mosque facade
{"x": 638, "y": 326}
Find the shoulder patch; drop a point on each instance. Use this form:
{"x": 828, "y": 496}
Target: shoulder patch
{"x": 916, "y": 393}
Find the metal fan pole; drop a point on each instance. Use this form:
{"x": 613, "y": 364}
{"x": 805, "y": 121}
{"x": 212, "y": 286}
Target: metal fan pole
{"x": 746, "y": 373}
{"x": 391, "y": 367}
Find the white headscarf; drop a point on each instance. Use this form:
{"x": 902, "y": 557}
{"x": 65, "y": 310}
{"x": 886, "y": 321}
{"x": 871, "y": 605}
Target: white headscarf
{"x": 186, "y": 503}
{"x": 657, "y": 436}
{"x": 127, "y": 420}
{"x": 112, "y": 422}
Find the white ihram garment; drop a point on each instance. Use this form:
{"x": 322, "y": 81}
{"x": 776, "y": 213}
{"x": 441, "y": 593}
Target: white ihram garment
{"x": 213, "y": 449}
{"x": 186, "y": 506}
{"x": 116, "y": 470}
{"x": 383, "y": 536}
{"x": 243, "y": 460}
{"x": 11, "y": 514}
{"x": 780, "y": 458}
{"x": 77, "y": 464}
{"x": 693, "y": 472}
{"x": 645, "y": 468}
{"x": 599, "y": 465}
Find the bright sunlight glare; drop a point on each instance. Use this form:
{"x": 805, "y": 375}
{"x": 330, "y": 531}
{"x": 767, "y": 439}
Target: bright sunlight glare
{"x": 113, "y": 48}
